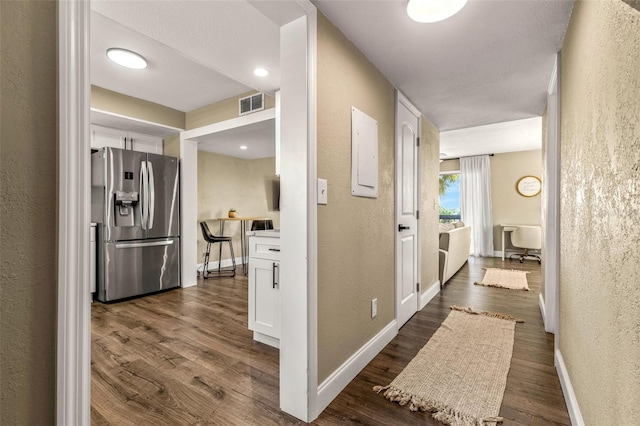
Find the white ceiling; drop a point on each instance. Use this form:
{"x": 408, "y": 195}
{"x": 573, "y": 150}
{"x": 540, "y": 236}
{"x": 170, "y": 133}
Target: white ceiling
{"x": 490, "y": 63}
{"x": 171, "y": 79}
{"x": 199, "y": 53}
{"x": 259, "y": 138}
{"x": 511, "y": 136}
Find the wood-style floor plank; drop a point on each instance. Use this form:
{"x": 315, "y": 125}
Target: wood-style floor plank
{"x": 186, "y": 357}
{"x": 533, "y": 395}
{"x": 183, "y": 357}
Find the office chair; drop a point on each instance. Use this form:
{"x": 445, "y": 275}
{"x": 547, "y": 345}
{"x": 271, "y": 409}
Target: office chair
{"x": 261, "y": 225}
{"x": 527, "y": 238}
{"x": 212, "y": 239}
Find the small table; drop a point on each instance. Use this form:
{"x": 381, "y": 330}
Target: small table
{"x": 244, "y": 244}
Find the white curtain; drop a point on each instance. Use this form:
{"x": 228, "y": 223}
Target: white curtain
{"x": 475, "y": 203}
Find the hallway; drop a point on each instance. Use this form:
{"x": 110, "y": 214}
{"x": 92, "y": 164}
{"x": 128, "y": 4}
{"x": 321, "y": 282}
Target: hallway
{"x": 533, "y": 395}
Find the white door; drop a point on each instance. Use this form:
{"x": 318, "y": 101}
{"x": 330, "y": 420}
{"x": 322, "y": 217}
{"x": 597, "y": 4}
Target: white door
{"x": 407, "y": 133}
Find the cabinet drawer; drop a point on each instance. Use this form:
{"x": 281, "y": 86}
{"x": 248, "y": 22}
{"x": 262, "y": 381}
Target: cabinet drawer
{"x": 264, "y": 248}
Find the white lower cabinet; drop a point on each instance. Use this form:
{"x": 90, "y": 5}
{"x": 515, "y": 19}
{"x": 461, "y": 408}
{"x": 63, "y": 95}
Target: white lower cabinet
{"x": 264, "y": 289}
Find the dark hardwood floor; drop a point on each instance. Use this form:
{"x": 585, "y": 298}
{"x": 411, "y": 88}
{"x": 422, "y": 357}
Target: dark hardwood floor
{"x": 183, "y": 357}
{"x": 533, "y": 395}
{"x": 186, "y": 357}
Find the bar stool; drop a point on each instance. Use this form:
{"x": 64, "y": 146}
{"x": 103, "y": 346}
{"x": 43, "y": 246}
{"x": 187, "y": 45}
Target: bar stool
{"x": 212, "y": 239}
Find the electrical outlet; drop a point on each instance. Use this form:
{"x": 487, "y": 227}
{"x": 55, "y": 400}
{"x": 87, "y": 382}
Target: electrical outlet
{"x": 374, "y": 308}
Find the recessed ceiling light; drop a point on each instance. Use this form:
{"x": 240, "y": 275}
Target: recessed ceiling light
{"x": 127, "y": 58}
{"x": 261, "y": 72}
{"x": 427, "y": 11}
{"x": 243, "y": 147}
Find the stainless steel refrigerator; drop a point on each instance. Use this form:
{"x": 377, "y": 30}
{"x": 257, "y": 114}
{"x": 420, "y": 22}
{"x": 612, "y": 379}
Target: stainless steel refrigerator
{"x": 135, "y": 202}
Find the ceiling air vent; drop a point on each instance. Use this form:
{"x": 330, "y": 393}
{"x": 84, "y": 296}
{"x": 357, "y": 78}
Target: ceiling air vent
{"x": 251, "y": 103}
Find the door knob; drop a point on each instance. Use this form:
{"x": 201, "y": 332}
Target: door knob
{"x": 402, "y": 228}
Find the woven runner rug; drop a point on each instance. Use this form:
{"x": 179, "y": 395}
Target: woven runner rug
{"x": 505, "y": 278}
{"x": 461, "y": 373}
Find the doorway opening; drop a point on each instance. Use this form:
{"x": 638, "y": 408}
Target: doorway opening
{"x": 74, "y": 307}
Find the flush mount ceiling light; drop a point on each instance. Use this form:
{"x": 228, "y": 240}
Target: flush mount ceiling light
{"x": 243, "y": 147}
{"x": 261, "y": 72}
{"x": 127, "y": 58}
{"x": 427, "y": 11}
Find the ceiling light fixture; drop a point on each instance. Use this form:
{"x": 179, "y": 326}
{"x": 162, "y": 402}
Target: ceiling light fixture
{"x": 427, "y": 11}
{"x": 243, "y": 147}
{"x": 261, "y": 72}
{"x": 126, "y": 58}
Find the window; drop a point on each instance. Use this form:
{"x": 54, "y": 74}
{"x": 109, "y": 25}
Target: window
{"x": 449, "y": 197}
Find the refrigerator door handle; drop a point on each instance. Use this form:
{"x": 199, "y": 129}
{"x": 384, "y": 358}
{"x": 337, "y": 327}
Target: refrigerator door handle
{"x": 152, "y": 194}
{"x": 149, "y": 244}
{"x": 143, "y": 195}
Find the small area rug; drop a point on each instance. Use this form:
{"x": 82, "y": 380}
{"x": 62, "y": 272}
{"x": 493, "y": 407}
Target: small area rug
{"x": 505, "y": 278}
{"x": 461, "y": 373}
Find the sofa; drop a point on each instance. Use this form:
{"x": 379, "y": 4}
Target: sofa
{"x": 455, "y": 242}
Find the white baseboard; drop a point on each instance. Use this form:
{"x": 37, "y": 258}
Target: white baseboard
{"x": 214, "y": 265}
{"x": 267, "y": 340}
{"x": 340, "y": 378}
{"x": 567, "y": 389}
{"x": 431, "y": 292}
{"x": 542, "y": 309}
{"x": 497, "y": 254}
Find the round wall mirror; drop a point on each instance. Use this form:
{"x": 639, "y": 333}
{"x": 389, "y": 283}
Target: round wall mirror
{"x": 529, "y": 186}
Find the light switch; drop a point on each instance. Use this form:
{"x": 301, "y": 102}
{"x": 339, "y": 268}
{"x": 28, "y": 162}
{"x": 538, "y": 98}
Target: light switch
{"x": 322, "y": 191}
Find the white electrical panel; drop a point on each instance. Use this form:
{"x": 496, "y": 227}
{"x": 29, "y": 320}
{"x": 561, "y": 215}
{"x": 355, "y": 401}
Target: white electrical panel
{"x": 364, "y": 155}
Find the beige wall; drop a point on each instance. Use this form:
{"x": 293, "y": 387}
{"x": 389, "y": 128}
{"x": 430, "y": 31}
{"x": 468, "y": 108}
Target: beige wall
{"x": 28, "y": 187}
{"x": 221, "y": 111}
{"x": 172, "y": 146}
{"x": 509, "y": 206}
{"x": 450, "y": 166}
{"x": 227, "y": 182}
{"x": 355, "y": 234}
{"x": 107, "y": 100}
{"x": 223, "y": 181}
{"x": 429, "y": 196}
{"x": 599, "y": 208}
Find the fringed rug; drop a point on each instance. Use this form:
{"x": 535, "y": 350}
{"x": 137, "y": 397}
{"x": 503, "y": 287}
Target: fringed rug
{"x": 461, "y": 373}
{"x": 505, "y": 278}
